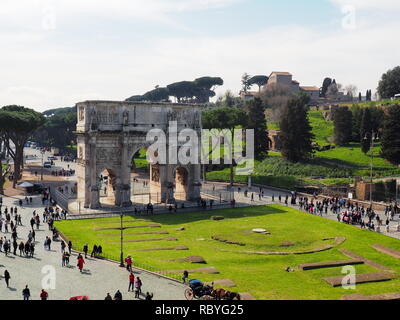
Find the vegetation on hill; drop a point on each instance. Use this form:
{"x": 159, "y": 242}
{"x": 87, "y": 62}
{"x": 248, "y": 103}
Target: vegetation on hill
{"x": 199, "y": 91}
{"x": 329, "y": 167}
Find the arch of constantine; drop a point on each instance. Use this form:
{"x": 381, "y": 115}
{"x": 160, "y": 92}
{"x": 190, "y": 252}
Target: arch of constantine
{"x": 110, "y": 133}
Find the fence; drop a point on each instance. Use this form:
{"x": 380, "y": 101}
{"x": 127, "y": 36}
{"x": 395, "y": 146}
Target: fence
{"x": 60, "y": 198}
{"x": 143, "y": 266}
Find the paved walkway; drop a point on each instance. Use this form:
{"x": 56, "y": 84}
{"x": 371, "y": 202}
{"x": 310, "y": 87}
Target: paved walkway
{"x": 99, "y": 278}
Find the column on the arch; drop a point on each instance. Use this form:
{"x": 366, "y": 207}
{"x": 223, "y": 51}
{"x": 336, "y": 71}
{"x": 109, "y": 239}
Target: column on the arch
{"x": 123, "y": 188}
{"x": 163, "y": 190}
{"x": 83, "y": 171}
{"x": 194, "y": 188}
{"x": 94, "y": 179}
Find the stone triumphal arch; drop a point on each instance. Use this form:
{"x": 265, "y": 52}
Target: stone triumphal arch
{"x": 109, "y": 134}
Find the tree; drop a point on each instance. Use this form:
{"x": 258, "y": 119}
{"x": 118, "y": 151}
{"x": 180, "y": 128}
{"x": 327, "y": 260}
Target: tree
{"x": 198, "y": 91}
{"x": 135, "y": 98}
{"x": 366, "y": 131}
{"x": 296, "y": 132}
{"x": 342, "y": 121}
{"x": 351, "y": 90}
{"x": 357, "y": 112}
{"x": 377, "y": 118}
{"x": 229, "y": 99}
{"x": 156, "y": 95}
{"x": 205, "y": 88}
{"x": 257, "y": 122}
{"x": 276, "y": 97}
{"x": 57, "y": 131}
{"x": 369, "y": 95}
{"x": 333, "y": 90}
{"x": 259, "y": 81}
{"x": 391, "y": 135}
{"x": 225, "y": 118}
{"x": 325, "y": 85}
{"x": 18, "y": 124}
{"x": 389, "y": 85}
{"x": 245, "y": 82}
{"x": 182, "y": 90}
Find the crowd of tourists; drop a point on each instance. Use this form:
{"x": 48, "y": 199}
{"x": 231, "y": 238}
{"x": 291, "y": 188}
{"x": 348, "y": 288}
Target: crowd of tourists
{"x": 63, "y": 173}
{"x": 350, "y": 212}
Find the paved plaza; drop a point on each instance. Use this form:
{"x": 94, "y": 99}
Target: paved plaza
{"x": 99, "y": 277}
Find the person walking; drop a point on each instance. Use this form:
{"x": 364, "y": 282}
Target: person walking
{"x": 26, "y": 293}
{"x": 69, "y": 247}
{"x": 138, "y": 287}
{"x": 94, "y": 251}
{"x": 63, "y": 246}
{"x": 63, "y": 259}
{"x": 131, "y": 281}
{"x": 128, "y": 261}
{"x": 15, "y": 247}
{"x": 21, "y": 248}
{"x": 44, "y": 295}
{"x": 7, "y": 277}
{"x": 5, "y": 247}
{"x": 81, "y": 262}
{"x": 67, "y": 255}
{"x": 185, "y": 276}
{"x": 85, "y": 249}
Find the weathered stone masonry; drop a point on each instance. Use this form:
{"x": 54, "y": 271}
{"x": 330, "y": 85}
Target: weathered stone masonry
{"x": 110, "y": 133}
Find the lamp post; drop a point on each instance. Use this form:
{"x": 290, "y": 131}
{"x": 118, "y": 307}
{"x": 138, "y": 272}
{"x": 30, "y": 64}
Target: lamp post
{"x": 121, "y": 264}
{"x": 374, "y": 137}
{"x": 122, "y": 239}
{"x": 41, "y": 170}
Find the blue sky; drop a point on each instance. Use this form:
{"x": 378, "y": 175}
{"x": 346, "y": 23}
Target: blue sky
{"x": 60, "y": 52}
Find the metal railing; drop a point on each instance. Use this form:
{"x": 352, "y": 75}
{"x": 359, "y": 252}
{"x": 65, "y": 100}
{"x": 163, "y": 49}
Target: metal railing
{"x": 143, "y": 266}
{"x": 61, "y": 199}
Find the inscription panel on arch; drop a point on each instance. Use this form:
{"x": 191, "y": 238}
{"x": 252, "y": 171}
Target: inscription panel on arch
{"x": 109, "y": 156}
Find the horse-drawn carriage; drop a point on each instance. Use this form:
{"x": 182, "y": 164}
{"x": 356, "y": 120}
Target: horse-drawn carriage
{"x": 198, "y": 290}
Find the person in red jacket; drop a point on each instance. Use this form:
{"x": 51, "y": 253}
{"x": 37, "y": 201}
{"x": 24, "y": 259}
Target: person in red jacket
{"x": 131, "y": 281}
{"x": 80, "y": 262}
{"x": 128, "y": 261}
{"x": 44, "y": 295}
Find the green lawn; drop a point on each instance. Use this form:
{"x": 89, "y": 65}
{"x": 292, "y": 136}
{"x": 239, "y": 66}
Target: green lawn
{"x": 372, "y": 103}
{"x": 352, "y": 156}
{"x": 264, "y": 276}
{"x": 322, "y": 129}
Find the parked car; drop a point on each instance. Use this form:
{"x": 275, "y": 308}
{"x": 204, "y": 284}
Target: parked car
{"x": 47, "y": 164}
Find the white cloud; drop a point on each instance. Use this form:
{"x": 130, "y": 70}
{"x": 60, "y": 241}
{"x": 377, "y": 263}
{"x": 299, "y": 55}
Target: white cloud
{"x": 38, "y": 72}
{"x": 17, "y": 10}
{"x": 370, "y": 4}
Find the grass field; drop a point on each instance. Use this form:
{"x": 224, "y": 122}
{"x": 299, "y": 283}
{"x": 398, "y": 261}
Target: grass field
{"x": 372, "y": 103}
{"x": 322, "y": 129}
{"x": 263, "y": 276}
